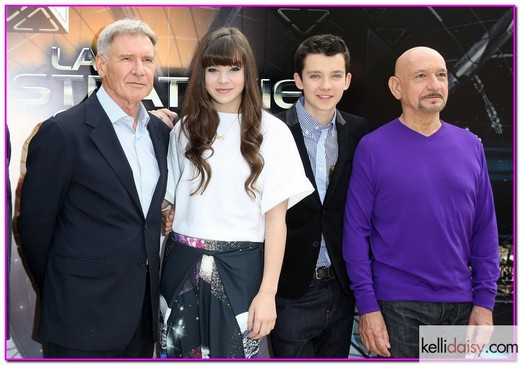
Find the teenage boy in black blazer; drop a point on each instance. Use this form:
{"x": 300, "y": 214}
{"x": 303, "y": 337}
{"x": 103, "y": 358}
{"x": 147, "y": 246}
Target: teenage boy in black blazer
{"x": 315, "y": 306}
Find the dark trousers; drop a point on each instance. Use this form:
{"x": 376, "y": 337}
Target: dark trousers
{"x": 141, "y": 345}
{"x": 317, "y": 325}
{"x": 403, "y": 318}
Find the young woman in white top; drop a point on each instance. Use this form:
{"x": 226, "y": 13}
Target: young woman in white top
{"x": 234, "y": 170}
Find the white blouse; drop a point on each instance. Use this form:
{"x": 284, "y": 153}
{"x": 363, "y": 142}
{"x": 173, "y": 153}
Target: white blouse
{"x": 225, "y": 211}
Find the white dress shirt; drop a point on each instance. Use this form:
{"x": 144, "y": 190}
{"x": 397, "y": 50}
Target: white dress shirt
{"x": 137, "y": 146}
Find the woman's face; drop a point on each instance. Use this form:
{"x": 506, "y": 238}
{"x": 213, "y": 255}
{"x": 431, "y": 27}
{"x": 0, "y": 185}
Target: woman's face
{"x": 225, "y": 85}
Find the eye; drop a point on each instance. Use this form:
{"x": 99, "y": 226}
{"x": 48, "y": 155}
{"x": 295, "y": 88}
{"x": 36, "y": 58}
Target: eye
{"x": 148, "y": 60}
{"x": 314, "y": 77}
{"x": 337, "y": 76}
{"x": 211, "y": 69}
{"x": 235, "y": 68}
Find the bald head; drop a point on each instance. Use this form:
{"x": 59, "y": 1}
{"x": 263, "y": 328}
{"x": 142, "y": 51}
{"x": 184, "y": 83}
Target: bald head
{"x": 420, "y": 81}
{"x": 417, "y": 55}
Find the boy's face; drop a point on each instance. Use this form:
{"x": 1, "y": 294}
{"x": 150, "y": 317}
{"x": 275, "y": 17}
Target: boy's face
{"x": 323, "y": 81}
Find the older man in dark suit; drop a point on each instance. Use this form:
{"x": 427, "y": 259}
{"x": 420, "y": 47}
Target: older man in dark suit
{"x": 90, "y": 215}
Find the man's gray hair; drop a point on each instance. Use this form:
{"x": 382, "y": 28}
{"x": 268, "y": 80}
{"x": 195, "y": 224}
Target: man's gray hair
{"x": 123, "y": 26}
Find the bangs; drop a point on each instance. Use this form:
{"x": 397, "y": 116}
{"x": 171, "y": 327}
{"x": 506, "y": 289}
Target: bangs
{"x": 223, "y": 52}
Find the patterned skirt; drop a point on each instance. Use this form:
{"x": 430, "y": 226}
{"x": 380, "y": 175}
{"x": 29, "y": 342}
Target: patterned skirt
{"x": 206, "y": 290}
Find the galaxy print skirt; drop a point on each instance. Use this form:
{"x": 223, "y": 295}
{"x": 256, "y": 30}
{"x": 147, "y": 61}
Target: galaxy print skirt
{"x": 206, "y": 290}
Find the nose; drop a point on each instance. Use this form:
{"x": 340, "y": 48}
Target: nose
{"x": 434, "y": 83}
{"x": 325, "y": 83}
{"x": 222, "y": 77}
{"x": 138, "y": 68}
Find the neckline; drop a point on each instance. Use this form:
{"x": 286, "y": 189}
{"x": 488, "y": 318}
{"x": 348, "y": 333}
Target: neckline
{"x": 419, "y": 133}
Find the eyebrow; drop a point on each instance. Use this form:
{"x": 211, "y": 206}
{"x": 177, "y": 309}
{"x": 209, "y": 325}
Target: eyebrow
{"x": 322, "y": 72}
{"x": 425, "y": 70}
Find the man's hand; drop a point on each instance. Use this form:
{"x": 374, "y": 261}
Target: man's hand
{"x": 373, "y": 333}
{"x": 480, "y": 326}
{"x": 166, "y": 115}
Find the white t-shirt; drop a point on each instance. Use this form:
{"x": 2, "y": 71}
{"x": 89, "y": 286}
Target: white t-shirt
{"x": 225, "y": 211}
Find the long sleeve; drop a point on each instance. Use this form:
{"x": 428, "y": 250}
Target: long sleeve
{"x": 357, "y": 229}
{"x": 484, "y": 243}
{"x": 43, "y": 190}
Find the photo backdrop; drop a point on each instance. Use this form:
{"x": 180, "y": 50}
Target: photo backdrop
{"x": 50, "y": 67}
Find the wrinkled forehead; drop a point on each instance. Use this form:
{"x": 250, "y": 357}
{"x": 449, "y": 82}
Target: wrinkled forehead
{"x": 131, "y": 43}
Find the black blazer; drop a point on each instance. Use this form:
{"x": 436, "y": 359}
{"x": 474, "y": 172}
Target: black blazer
{"x": 83, "y": 232}
{"x": 309, "y": 218}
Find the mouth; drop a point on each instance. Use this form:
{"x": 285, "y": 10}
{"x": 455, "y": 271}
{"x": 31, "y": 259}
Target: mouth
{"x": 324, "y": 97}
{"x": 223, "y": 91}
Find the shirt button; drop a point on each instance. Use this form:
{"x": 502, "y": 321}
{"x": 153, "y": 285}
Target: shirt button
{"x": 315, "y": 244}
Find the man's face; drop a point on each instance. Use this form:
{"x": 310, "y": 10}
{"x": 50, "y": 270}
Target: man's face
{"x": 423, "y": 82}
{"x": 323, "y": 81}
{"x": 129, "y": 70}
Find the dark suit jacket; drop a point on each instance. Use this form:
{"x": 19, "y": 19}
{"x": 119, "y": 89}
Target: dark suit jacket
{"x": 83, "y": 231}
{"x": 309, "y": 218}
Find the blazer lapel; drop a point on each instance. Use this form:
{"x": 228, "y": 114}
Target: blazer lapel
{"x": 160, "y": 155}
{"x": 296, "y": 130}
{"x": 104, "y": 137}
{"x": 342, "y": 132}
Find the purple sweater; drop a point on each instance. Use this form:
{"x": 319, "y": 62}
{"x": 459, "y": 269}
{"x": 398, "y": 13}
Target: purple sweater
{"x": 423, "y": 206}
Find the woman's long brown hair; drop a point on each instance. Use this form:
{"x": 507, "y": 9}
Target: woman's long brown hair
{"x": 222, "y": 47}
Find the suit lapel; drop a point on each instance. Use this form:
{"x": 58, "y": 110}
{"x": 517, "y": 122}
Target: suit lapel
{"x": 342, "y": 133}
{"x": 160, "y": 155}
{"x": 294, "y": 126}
{"x": 104, "y": 137}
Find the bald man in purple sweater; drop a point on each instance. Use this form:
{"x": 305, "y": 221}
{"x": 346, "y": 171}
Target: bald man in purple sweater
{"x": 420, "y": 238}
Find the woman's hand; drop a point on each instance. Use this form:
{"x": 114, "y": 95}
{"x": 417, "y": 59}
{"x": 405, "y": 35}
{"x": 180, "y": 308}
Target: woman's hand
{"x": 262, "y": 315}
{"x": 168, "y": 212}
{"x": 166, "y": 115}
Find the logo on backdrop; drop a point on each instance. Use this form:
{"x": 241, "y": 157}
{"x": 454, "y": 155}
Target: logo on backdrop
{"x": 69, "y": 81}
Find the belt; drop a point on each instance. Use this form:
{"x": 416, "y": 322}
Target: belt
{"x": 323, "y": 273}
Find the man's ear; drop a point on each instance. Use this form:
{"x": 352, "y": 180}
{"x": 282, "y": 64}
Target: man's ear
{"x": 100, "y": 65}
{"x": 298, "y": 81}
{"x": 395, "y": 87}
{"x": 348, "y": 80}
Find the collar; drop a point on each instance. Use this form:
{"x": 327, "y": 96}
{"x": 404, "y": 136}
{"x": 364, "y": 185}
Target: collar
{"x": 307, "y": 122}
{"x": 114, "y": 111}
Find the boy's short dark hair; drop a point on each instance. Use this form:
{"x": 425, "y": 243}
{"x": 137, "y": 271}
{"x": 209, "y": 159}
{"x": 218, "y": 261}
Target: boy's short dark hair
{"x": 326, "y": 44}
